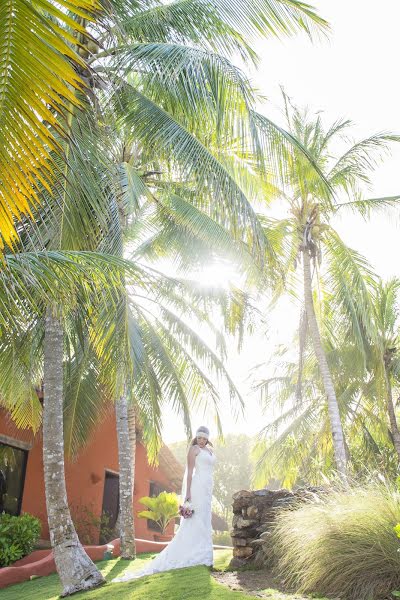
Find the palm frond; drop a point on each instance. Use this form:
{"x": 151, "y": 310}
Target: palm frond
{"x": 359, "y": 161}
{"x": 38, "y": 84}
{"x": 350, "y": 279}
{"x": 154, "y": 127}
{"x": 366, "y": 206}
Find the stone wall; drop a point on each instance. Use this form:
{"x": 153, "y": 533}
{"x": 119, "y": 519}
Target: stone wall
{"x": 253, "y": 516}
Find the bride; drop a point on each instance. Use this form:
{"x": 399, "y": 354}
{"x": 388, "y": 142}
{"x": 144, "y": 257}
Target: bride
{"x": 192, "y": 544}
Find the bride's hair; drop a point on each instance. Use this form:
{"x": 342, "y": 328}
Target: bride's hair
{"x": 194, "y": 442}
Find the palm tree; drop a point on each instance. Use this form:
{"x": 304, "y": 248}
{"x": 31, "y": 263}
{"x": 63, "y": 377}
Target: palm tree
{"x": 296, "y": 444}
{"x": 308, "y": 236}
{"x": 164, "y": 106}
{"x": 75, "y": 568}
{"x": 384, "y": 353}
{"x": 178, "y": 97}
{"x": 68, "y": 204}
{"x": 36, "y": 40}
{"x": 33, "y": 284}
{"x": 382, "y": 363}
{"x": 156, "y": 353}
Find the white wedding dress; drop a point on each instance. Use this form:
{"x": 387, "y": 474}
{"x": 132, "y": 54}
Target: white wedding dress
{"x": 192, "y": 544}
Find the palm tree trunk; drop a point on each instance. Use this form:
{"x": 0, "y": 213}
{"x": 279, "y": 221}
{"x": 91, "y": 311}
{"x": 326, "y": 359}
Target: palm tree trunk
{"x": 75, "y": 569}
{"x": 333, "y": 407}
{"x": 392, "y": 414}
{"x": 126, "y": 434}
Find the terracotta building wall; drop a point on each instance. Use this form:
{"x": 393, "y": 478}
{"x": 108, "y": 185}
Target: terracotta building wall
{"x": 85, "y": 477}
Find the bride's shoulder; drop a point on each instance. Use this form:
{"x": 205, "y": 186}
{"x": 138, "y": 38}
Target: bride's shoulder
{"x": 194, "y": 449}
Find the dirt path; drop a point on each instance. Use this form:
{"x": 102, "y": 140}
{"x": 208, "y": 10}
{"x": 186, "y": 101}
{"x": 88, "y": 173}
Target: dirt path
{"x": 256, "y": 583}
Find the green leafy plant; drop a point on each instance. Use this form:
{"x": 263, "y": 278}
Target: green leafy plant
{"x": 162, "y": 509}
{"x": 18, "y": 536}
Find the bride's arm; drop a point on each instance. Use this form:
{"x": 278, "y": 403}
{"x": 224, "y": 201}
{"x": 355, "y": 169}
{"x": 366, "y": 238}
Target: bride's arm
{"x": 191, "y": 457}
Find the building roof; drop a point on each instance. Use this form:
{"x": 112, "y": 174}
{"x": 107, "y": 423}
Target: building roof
{"x": 218, "y": 523}
{"x": 172, "y": 468}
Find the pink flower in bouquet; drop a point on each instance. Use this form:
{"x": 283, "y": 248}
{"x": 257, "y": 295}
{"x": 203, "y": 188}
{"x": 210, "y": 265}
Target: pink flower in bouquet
{"x": 186, "y": 510}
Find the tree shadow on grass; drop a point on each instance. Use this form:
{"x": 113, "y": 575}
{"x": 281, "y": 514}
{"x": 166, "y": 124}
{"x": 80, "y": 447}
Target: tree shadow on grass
{"x": 178, "y": 584}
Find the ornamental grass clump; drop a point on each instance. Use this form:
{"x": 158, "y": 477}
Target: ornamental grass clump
{"x": 341, "y": 544}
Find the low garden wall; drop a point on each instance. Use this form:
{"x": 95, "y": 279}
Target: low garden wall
{"x": 41, "y": 562}
{"x": 253, "y": 517}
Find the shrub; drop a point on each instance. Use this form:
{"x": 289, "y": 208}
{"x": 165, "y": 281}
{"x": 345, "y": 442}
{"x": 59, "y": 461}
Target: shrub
{"x": 88, "y": 525}
{"x": 342, "y": 543}
{"x": 162, "y": 509}
{"x": 18, "y": 536}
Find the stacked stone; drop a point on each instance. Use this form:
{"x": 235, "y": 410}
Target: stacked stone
{"x": 253, "y": 517}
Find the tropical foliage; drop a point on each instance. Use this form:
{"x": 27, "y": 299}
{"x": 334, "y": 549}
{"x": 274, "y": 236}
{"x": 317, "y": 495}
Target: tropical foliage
{"x": 135, "y": 147}
{"x": 18, "y": 536}
{"x": 336, "y": 291}
{"x": 39, "y": 76}
{"x": 296, "y": 444}
{"x": 162, "y": 509}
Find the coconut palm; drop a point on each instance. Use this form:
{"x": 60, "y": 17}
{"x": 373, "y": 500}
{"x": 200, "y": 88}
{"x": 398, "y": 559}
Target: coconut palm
{"x": 153, "y": 351}
{"x": 384, "y": 364}
{"x": 172, "y": 87}
{"x": 307, "y": 237}
{"x": 70, "y": 203}
{"x": 296, "y": 445}
{"x": 33, "y": 284}
{"x": 166, "y": 88}
{"x": 167, "y": 71}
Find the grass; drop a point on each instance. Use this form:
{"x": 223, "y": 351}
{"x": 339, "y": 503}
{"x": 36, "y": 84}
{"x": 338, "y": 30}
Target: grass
{"x": 180, "y": 584}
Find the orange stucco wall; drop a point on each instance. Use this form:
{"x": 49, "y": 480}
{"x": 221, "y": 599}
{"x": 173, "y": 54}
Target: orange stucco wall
{"x": 85, "y": 477}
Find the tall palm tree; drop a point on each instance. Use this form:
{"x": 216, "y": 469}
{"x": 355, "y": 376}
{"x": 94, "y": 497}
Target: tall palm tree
{"x": 296, "y": 444}
{"x": 173, "y": 88}
{"x": 384, "y": 353}
{"x": 69, "y": 206}
{"x": 164, "y": 119}
{"x": 307, "y": 237}
{"x": 154, "y": 351}
{"x": 33, "y": 284}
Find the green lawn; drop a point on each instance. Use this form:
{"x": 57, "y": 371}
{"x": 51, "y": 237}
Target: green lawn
{"x": 185, "y": 584}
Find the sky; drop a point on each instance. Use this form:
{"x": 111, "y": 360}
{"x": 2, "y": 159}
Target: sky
{"x": 349, "y": 74}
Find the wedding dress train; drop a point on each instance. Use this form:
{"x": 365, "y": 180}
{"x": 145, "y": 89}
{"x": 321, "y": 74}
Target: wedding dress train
{"x": 192, "y": 544}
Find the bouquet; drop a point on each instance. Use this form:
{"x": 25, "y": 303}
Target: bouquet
{"x": 186, "y": 510}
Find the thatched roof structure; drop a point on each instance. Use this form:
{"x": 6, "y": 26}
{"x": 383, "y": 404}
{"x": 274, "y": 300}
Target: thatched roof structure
{"x": 172, "y": 468}
{"x": 218, "y": 523}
